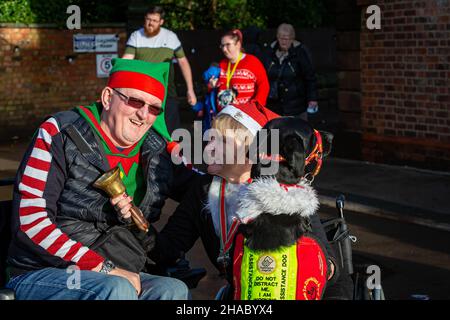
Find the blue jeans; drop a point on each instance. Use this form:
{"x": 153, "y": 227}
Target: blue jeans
{"x": 58, "y": 284}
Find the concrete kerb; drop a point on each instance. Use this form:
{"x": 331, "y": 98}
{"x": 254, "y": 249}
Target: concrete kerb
{"x": 330, "y": 201}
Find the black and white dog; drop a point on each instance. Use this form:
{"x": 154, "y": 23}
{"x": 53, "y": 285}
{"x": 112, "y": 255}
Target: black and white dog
{"x": 277, "y": 208}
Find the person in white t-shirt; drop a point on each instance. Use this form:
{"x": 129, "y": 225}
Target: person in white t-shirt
{"x": 154, "y": 43}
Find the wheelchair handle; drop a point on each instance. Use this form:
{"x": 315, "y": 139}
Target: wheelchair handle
{"x": 340, "y": 201}
{"x": 346, "y": 243}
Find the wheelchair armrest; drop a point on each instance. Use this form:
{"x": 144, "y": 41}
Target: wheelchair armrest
{"x": 7, "y": 294}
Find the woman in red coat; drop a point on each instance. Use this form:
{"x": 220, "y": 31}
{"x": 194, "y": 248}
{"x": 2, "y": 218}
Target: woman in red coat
{"x": 242, "y": 76}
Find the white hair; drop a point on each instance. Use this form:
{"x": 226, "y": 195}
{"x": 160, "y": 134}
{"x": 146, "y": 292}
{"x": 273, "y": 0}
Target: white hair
{"x": 286, "y": 28}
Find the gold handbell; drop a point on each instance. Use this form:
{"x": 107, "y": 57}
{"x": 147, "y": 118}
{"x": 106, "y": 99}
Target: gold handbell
{"x": 112, "y": 184}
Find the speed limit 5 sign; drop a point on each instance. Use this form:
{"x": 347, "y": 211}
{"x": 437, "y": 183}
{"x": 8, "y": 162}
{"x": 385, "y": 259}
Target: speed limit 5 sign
{"x": 104, "y": 64}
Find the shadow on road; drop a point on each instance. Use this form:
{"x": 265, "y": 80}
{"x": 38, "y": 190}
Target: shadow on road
{"x": 401, "y": 279}
{"x": 413, "y": 259}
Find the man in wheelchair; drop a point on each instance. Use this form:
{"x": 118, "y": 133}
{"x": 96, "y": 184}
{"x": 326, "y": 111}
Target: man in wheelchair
{"x": 62, "y": 224}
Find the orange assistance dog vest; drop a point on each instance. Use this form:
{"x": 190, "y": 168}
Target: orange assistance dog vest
{"x": 298, "y": 272}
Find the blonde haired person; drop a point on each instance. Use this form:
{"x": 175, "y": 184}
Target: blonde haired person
{"x": 208, "y": 210}
{"x": 213, "y": 195}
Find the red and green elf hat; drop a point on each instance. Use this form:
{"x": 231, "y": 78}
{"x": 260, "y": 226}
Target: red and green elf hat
{"x": 145, "y": 76}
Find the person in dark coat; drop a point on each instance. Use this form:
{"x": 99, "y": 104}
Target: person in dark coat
{"x": 292, "y": 78}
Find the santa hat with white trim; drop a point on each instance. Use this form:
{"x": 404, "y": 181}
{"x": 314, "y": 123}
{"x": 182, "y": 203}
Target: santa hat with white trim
{"x": 251, "y": 115}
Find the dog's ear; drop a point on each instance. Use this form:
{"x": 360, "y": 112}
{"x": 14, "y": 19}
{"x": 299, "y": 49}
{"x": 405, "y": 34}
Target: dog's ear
{"x": 327, "y": 141}
{"x": 293, "y": 167}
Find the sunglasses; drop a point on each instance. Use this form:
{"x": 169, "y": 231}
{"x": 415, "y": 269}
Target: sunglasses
{"x": 138, "y": 103}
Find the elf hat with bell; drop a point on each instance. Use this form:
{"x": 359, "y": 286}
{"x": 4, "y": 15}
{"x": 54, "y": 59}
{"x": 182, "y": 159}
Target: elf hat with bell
{"x": 145, "y": 76}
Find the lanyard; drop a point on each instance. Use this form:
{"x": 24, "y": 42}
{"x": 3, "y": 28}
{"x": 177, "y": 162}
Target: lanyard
{"x": 226, "y": 238}
{"x": 230, "y": 75}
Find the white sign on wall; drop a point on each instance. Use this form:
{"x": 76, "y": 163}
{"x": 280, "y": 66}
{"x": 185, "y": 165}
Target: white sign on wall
{"x": 95, "y": 43}
{"x": 104, "y": 64}
{"x": 84, "y": 42}
{"x": 106, "y": 43}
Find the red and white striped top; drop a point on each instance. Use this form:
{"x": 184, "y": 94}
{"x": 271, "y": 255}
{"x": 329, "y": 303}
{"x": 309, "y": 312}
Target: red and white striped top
{"x": 35, "y": 220}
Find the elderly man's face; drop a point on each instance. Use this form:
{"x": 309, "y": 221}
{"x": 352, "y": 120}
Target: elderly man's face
{"x": 284, "y": 40}
{"x": 123, "y": 123}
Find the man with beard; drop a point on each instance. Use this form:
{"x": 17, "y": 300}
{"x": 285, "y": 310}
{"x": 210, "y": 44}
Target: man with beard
{"x": 153, "y": 43}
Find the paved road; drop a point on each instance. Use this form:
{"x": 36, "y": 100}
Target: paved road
{"x": 413, "y": 259}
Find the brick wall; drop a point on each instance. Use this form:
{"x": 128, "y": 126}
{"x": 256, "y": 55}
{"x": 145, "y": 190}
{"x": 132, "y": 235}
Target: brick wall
{"x": 37, "y": 79}
{"x": 347, "y": 141}
{"x": 405, "y": 71}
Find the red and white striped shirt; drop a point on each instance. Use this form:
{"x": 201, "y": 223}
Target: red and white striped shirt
{"x": 37, "y": 215}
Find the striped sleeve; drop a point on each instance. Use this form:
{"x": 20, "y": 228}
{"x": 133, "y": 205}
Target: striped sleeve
{"x": 35, "y": 218}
